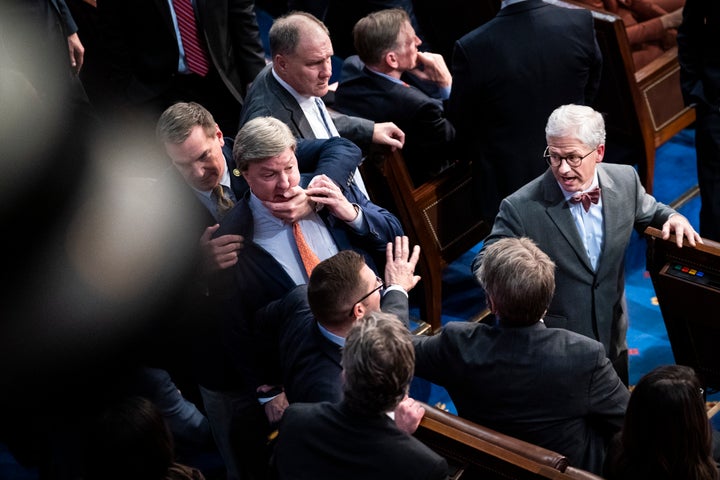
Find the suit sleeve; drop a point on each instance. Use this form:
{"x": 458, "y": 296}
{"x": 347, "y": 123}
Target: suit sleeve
{"x": 396, "y": 302}
{"x": 432, "y": 124}
{"x": 335, "y": 157}
{"x": 68, "y": 23}
{"x": 268, "y": 326}
{"x": 648, "y": 211}
{"x": 462, "y": 104}
{"x": 689, "y": 53}
{"x": 508, "y": 223}
{"x": 433, "y": 354}
{"x": 383, "y": 226}
{"x": 359, "y": 130}
{"x": 595, "y": 59}
{"x": 607, "y": 396}
{"x": 249, "y": 52}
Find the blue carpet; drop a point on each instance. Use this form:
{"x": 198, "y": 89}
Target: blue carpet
{"x": 675, "y": 173}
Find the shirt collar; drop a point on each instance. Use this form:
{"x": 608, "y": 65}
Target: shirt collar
{"x": 336, "y": 339}
{"x": 568, "y": 195}
{"x": 301, "y": 99}
{"x": 507, "y": 3}
{"x": 224, "y": 181}
{"x": 261, "y": 212}
{"x": 385, "y": 75}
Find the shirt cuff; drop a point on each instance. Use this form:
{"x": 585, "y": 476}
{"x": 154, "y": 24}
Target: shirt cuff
{"x": 395, "y": 287}
{"x": 358, "y": 224}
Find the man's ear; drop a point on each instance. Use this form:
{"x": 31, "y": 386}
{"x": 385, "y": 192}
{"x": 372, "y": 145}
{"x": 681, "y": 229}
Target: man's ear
{"x": 601, "y": 152}
{"x": 391, "y": 59}
{"x": 359, "y": 310}
{"x": 280, "y": 62}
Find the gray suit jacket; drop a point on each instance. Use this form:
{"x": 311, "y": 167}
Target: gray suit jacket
{"x": 586, "y": 301}
{"x": 267, "y": 97}
{"x": 547, "y": 386}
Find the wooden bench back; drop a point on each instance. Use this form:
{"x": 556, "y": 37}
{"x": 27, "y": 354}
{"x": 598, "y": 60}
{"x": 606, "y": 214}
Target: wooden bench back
{"x": 441, "y": 215}
{"x": 476, "y": 452}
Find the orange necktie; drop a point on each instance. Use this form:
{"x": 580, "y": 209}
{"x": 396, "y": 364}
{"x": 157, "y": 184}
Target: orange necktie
{"x": 309, "y": 259}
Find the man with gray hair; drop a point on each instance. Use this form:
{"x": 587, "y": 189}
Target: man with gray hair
{"x": 355, "y": 438}
{"x": 584, "y": 230}
{"x": 548, "y": 386}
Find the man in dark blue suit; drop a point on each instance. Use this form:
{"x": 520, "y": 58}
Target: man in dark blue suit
{"x": 373, "y": 86}
{"x": 202, "y": 162}
{"x": 330, "y": 218}
{"x": 308, "y": 326}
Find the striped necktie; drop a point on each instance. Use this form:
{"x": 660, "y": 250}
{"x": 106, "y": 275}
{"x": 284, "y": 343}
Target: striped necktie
{"x": 321, "y": 109}
{"x": 223, "y": 203}
{"x": 195, "y": 55}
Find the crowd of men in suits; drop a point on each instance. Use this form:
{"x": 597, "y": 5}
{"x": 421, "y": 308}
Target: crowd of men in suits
{"x": 296, "y": 288}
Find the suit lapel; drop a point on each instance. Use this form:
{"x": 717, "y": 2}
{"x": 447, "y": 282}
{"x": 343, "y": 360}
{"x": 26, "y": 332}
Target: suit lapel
{"x": 559, "y": 212}
{"x": 164, "y": 9}
{"x": 290, "y": 104}
{"x": 612, "y": 205}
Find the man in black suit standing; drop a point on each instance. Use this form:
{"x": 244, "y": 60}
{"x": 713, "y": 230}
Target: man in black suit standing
{"x": 355, "y": 438}
{"x": 509, "y": 74}
{"x": 548, "y": 386}
{"x": 375, "y": 85}
{"x": 204, "y": 51}
{"x": 697, "y": 39}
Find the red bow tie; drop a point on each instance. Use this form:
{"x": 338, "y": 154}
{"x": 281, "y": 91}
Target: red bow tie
{"x": 591, "y": 196}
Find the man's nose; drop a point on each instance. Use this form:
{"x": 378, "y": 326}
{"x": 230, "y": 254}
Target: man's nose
{"x": 327, "y": 69}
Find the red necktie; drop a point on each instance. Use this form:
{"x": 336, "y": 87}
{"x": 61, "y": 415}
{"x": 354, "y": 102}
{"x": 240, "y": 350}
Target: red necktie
{"x": 195, "y": 55}
{"x": 586, "y": 198}
{"x": 309, "y": 258}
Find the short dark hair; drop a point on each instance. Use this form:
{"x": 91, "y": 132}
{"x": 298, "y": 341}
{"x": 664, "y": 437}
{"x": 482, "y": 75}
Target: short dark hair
{"x": 379, "y": 361}
{"x": 519, "y": 279}
{"x": 178, "y": 120}
{"x": 334, "y": 284}
{"x": 377, "y": 33}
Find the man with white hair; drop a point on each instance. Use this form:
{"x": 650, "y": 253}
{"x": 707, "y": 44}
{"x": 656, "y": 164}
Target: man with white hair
{"x": 581, "y": 212}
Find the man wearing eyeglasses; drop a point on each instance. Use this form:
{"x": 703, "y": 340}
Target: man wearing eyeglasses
{"x": 309, "y": 325}
{"x": 581, "y": 213}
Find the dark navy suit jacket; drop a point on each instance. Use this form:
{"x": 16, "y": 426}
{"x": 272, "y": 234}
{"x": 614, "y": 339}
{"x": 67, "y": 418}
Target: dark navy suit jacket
{"x": 428, "y": 134}
{"x": 308, "y": 362}
{"x": 257, "y": 278}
